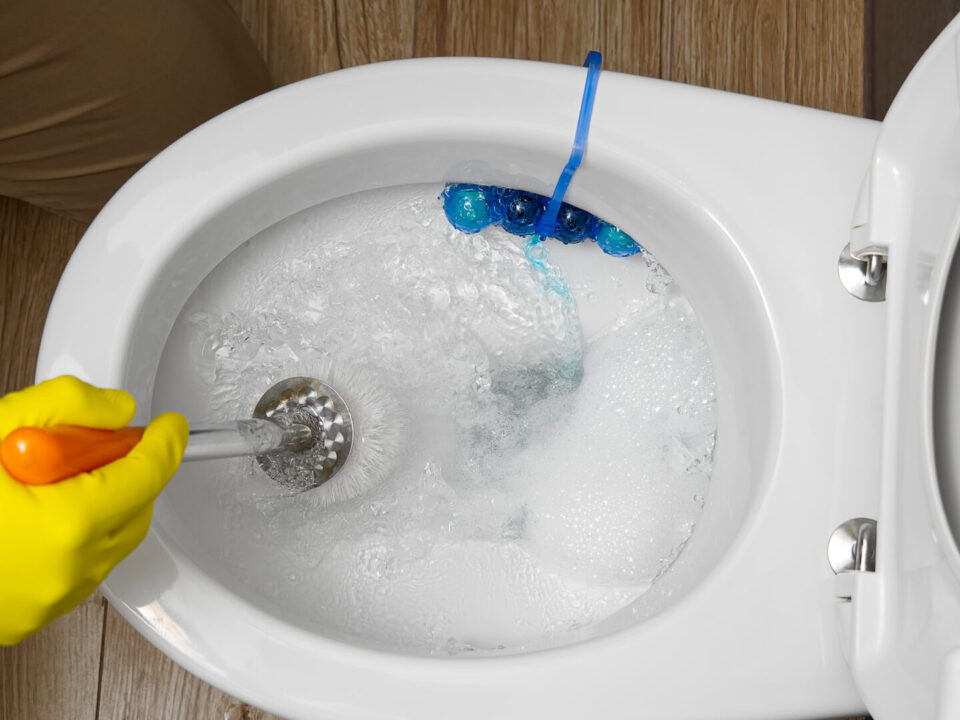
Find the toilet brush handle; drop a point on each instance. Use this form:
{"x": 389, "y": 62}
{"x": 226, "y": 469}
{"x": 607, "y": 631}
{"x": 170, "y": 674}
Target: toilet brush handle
{"x": 245, "y": 437}
{"x": 40, "y": 456}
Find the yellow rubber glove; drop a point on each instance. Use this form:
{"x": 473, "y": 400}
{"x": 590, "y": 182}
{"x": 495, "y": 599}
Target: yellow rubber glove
{"x": 59, "y": 541}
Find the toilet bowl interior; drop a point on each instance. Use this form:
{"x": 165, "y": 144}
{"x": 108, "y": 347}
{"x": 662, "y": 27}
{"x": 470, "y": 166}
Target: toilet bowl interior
{"x": 662, "y": 212}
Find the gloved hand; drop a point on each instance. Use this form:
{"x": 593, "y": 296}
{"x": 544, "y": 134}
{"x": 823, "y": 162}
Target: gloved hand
{"x": 59, "y": 541}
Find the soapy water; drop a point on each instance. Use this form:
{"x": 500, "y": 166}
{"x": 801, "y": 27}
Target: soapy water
{"x": 510, "y": 484}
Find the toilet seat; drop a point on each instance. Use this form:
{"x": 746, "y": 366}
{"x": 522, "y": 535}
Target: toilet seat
{"x": 901, "y": 622}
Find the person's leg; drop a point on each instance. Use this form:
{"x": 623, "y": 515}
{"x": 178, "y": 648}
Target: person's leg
{"x": 91, "y": 90}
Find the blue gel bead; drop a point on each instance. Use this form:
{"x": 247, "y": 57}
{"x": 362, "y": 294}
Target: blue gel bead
{"x": 614, "y": 241}
{"x": 573, "y": 225}
{"x": 469, "y": 208}
{"x": 520, "y": 211}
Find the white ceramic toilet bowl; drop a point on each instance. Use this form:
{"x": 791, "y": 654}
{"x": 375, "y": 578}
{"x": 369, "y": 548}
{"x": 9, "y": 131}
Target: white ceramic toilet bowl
{"x": 747, "y": 202}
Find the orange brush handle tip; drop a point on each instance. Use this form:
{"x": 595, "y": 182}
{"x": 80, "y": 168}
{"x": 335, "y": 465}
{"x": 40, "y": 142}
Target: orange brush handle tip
{"x": 39, "y": 456}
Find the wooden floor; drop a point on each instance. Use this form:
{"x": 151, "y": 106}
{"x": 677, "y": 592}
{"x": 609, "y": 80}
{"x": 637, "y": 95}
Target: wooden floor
{"x": 90, "y": 664}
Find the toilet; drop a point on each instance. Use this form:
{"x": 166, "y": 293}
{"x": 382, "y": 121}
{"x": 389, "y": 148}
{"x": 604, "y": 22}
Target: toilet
{"x": 823, "y": 578}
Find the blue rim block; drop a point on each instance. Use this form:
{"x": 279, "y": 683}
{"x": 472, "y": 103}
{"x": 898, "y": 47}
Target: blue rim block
{"x": 574, "y": 225}
{"x": 470, "y": 208}
{"x": 614, "y": 241}
{"x": 520, "y": 211}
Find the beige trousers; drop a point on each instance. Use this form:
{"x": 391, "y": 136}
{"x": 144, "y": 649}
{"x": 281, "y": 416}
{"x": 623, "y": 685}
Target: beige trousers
{"x": 92, "y": 89}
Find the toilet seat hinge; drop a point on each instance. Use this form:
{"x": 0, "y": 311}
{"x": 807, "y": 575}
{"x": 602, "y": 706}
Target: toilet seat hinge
{"x": 864, "y": 275}
{"x": 853, "y": 546}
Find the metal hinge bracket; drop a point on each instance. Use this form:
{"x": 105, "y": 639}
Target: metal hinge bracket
{"x": 853, "y": 546}
{"x": 864, "y": 276}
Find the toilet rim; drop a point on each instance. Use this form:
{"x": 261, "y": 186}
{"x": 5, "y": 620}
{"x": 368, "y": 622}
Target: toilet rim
{"x": 114, "y": 236}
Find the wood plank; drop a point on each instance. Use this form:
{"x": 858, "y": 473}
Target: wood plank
{"x": 629, "y": 36}
{"x": 297, "y": 38}
{"x": 375, "y": 30}
{"x": 801, "y": 51}
{"x": 825, "y": 51}
{"x": 55, "y": 673}
{"x": 140, "y": 683}
{"x": 627, "y": 32}
{"x": 550, "y": 30}
{"x": 735, "y": 45}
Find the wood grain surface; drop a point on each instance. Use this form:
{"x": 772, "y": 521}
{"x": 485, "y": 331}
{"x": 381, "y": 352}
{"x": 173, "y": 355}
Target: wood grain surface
{"x": 799, "y": 51}
{"x": 91, "y": 665}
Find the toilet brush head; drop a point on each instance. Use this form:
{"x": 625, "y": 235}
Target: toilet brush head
{"x": 310, "y": 402}
{"x": 355, "y": 425}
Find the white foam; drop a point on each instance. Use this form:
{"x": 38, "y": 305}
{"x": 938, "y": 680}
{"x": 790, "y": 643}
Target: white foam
{"x": 627, "y": 474}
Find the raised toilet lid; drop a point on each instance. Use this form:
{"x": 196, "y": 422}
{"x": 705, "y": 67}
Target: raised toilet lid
{"x": 901, "y": 623}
